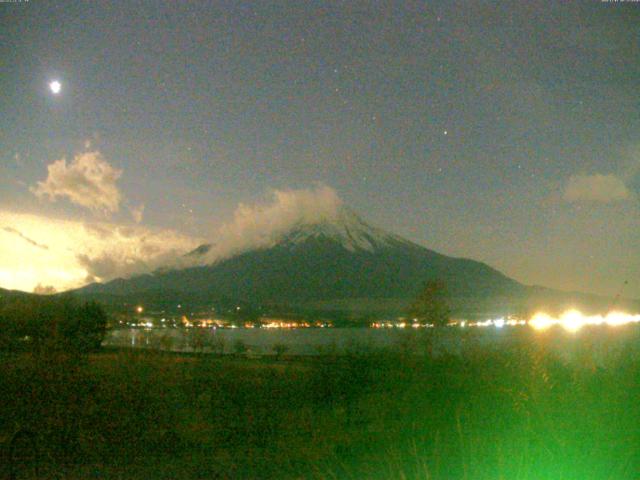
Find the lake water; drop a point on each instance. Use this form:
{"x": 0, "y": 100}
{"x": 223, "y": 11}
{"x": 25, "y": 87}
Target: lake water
{"x": 301, "y": 341}
{"x": 603, "y": 343}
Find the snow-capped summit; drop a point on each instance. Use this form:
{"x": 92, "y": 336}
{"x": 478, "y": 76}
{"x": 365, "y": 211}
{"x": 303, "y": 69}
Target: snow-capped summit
{"x": 345, "y": 228}
{"x": 342, "y": 226}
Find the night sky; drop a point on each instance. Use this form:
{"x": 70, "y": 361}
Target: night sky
{"x": 504, "y": 132}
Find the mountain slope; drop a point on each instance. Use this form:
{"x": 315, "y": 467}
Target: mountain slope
{"x": 334, "y": 259}
{"x": 10, "y": 294}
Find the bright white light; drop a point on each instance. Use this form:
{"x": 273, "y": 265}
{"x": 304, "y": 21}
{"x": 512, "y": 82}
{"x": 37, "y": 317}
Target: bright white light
{"x": 574, "y": 320}
{"x": 55, "y": 87}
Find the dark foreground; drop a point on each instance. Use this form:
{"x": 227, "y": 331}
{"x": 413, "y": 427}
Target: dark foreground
{"x": 520, "y": 413}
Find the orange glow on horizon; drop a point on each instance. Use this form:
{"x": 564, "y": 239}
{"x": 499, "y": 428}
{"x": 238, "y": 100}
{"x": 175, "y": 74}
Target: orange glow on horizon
{"x": 39, "y": 251}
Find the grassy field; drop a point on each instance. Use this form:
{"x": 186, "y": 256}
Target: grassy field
{"x": 519, "y": 413}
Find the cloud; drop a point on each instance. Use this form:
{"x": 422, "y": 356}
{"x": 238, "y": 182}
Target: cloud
{"x": 130, "y": 251}
{"x": 44, "y": 289}
{"x": 596, "y": 188}
{"x": 25, "y": 238}
{"x": 260, "y": 225}
{"x": 80, "y": 252}
{"x": 137, "y": 213}
{"x": 89, "y": 181}
{"x": 109, "y": 265}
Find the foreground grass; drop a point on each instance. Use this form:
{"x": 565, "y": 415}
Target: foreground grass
{"x": 518, "y": 413}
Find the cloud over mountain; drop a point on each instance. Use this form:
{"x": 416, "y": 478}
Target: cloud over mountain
{"x": 88, "y": 180}
{"x": 79, "y": 252}
{"x": 260, "y": 224}
{"x": 134, "y": 251}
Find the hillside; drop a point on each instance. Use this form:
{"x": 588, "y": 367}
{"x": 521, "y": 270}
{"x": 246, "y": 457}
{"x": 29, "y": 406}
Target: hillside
{"x": 337, "y": 264}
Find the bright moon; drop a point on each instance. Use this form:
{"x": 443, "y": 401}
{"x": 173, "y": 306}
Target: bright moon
{"x": 55, "y": 87}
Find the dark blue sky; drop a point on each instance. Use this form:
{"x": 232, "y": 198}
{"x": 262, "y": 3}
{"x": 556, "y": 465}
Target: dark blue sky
{"x": 460, "y": 125}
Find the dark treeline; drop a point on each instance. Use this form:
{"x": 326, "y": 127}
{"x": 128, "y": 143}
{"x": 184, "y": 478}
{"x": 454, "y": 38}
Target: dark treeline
{"x": 38, "y": 323}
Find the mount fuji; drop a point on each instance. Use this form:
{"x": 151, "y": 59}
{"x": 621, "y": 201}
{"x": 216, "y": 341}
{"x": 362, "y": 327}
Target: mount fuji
{"x": 337, "y": 262}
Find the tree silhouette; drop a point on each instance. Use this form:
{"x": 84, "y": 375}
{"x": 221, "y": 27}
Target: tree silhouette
{"x": 431, "y": 305}
{"x": 39, "y": 324}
